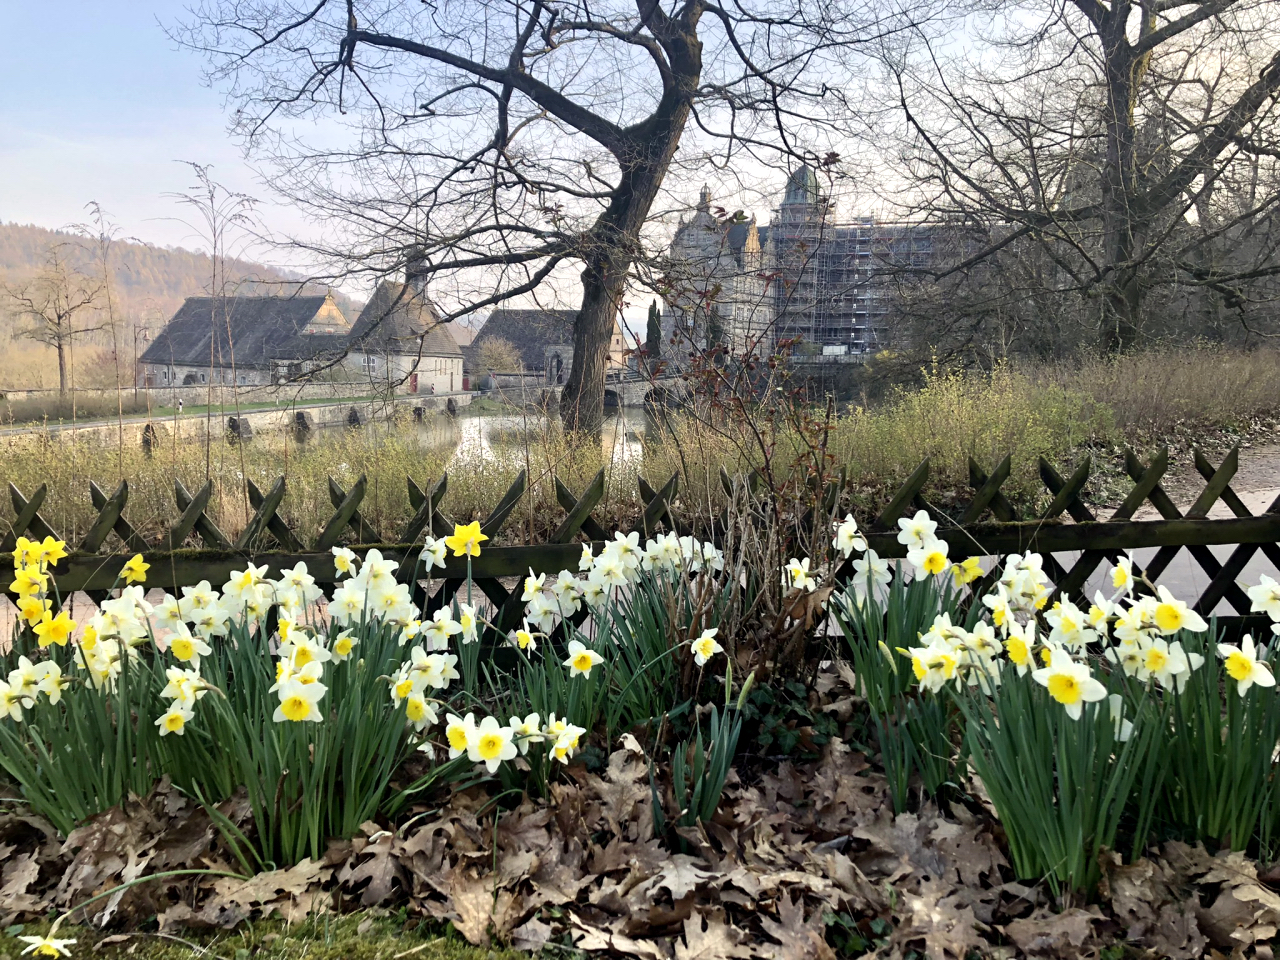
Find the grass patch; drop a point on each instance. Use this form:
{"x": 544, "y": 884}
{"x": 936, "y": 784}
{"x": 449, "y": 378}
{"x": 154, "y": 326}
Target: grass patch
{"x": 1181, "y": 397}
{"x": 351, "y": 937}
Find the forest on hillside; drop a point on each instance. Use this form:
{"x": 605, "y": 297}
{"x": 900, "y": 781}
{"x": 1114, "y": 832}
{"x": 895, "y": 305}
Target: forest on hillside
{"x": 147, "y": 284}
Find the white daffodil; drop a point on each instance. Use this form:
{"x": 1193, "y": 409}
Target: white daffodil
{"x": 1245, "y": 666}
{"x": 929, "y": 558}
{"x": 847, "y": 538}
{"x": 460, "y": 732}
{"x": 1069, "y": 682}
{"x": 915, "y": 531}
{"x": 174, "y": 720}
{"x": 434, "y": 553}
{"x": 419, "y": 712}
{"x": 46, "y": 946}
{"x": 1123, "y": 727}
{"x": 1168, "y": 664}
{"x": 1265, "y": 597}
{"x": 298, "y": 701}
{"x": 1172, "y": 615}
{"x": 581, "y": 660}
{"x": 492, "y": 744}
{"x": 870, "y": 573}
{"x": 532, "y": 586}
{"x": 526, "y": 732}
{"x": 188, "y": 648}
{"x": 705, "y": 647}
{"x": 798, "y": 576}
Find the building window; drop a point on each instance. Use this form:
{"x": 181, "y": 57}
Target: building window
{"x": 369, "y": 363}
{"x": 202, "y": 380}
{"x": 166, "y": 376}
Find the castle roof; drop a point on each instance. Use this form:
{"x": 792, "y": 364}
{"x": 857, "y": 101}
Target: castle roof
{"x": 398, "y": 319}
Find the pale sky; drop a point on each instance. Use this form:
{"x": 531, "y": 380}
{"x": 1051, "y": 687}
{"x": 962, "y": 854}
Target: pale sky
{"x": 96, "y": 103}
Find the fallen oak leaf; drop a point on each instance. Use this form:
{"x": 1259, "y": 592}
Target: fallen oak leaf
{"x": 716, "y": 940}
{"x": 797, "y": 937}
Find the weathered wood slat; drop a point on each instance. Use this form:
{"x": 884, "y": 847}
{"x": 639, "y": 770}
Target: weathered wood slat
{"x": 193, "y": 517}
{"x": 578, "y": 510}
{"x": 28, "y": 519}
{"x": 332, "y": 531}
{"x": 1066, "y": 496}
{"x": 275, "y": 525}
{"x": 988, "y": 490}
{"x": 131, "y": 538}
{"x": 906, "y": 494}
{"x": 493, "y": 523}
{"x": 1242, "y": 554}
{"x": 108, "y": 514}
{"x": 569, "y": 503}
{"x": 657, "y": 506}
{"x": 264, "y": 511}
{"x": 359, "y": 525}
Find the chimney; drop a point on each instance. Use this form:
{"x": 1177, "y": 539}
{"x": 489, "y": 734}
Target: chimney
{"x": 415, "y": 270}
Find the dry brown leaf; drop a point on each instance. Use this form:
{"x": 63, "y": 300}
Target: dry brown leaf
{"x": 1061, "y": 935}
{"x": 797, "y": 938}
{"x": 939, "y": 917}
{"x": 589, "y": 937}
{"x": 708, "y": 937}
{"x": 681, "y": 875}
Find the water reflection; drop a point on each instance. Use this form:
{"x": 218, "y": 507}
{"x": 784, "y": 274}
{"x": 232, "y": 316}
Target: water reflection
{"x": 482, "y": 437}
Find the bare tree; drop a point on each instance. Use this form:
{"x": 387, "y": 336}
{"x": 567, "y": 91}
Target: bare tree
{"x": 510, "y": 141}
{"x": 1107, "y": 148}
{"x": 51, "y": 308}
{"x": 499, "y": 355}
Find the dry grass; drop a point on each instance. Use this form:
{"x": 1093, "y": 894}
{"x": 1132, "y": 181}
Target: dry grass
{"x": 1056, "y": 413}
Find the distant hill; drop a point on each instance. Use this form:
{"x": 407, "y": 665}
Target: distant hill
{"x": 147, "y": 277}
{"x": 149, "y": 284}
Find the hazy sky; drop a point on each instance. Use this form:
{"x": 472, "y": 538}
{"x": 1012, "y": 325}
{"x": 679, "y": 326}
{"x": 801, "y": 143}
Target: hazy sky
{"x": 96, "y": 103}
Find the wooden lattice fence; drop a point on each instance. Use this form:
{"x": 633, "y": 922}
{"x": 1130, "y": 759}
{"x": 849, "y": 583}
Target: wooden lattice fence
{"x": 989, "y": 524}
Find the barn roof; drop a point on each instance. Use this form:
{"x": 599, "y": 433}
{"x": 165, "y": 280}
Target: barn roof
{"x": 397, "y": 319}
{"x": 262, "y": 329}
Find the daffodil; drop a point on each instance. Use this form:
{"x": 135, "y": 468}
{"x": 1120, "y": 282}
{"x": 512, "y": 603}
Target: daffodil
{"x": 466, "y": 539}
{"x": 434, "y": 553}
{"x": 532, "y": 586}
{"x": 1265, "y": 597}
{"x": 587, "y": 559}
{"x": 705, "y": 647}
{"x": 343, "y": 644}
{"x": 1069, "y": 682}
{"x": 25, "y": 552}
{"x": 1019, "y": 644}
{"x": 57, "y": 629}
{"x": 461, "y": 733}
{"x": 1070, "y": 627}
{"x": 440, "y": 628}
{"x": 564, "y": 738}
{"x": 966, "y": 571}
{"x": 344, "y": 561}
{"x": 185, "y": 686}
{"x": 798, "y": 576}
{"x": 1168, "y": 664}
{"x": 870, "y": 573}
{"x": 933, "y": 665}
{"x": 174, "y": 720}
{"x": 581, "y": 659}
{"x": 469, "y": 622}
{"x": 419, "y": 712}
{"x": 1244, "y": 666}
{"x": 493, "y": 743}
{"x": 34, "y": 609}
{"x": 1123, "y": 727}
{"x": 915, "y": 531}
{"x": 28, "y": 581}
{"x": 929, "y": 558}
{"x": 135, "y": 569}
{"x": 46, "y": 947}
{"x": 51, "y": 551}
{"x": 847, "y": 538}
{"x": 298, "y": 702}
{"x": 188, "y": 648}
{"x": 1122, "y": 575}
{"x": 523, "y": 638}
{"x": 526, "y": 732}
{"x": 11, "y": 702}
{"x": 1172, "y": 615}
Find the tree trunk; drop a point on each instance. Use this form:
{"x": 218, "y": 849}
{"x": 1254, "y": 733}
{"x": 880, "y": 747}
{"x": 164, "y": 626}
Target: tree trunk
{"x": 1122, "y": 292}
{"x": 62, "y": 369}
{"x": 614, "y": 241}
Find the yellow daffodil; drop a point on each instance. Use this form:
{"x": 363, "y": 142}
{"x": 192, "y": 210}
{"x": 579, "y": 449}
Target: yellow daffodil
{"x": 466, "y": 539}
{"x": 55, "y": 629}
{"x": 25, "y": 552}
{"x": 51, "y": 551}
{"x": 28, "y": 580}
{"x": 967, "y": 571}
{"x": 298, "y": 702}
{"x": 135, "y": 569}
{"x": 33, "y": 609}
{"x": 1172, "y": 615}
